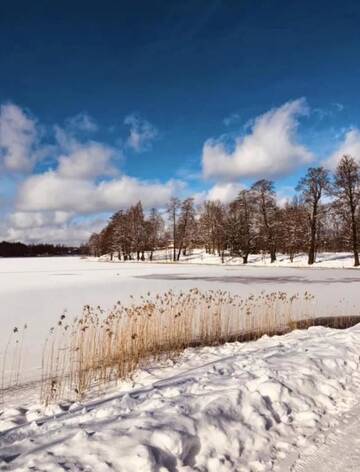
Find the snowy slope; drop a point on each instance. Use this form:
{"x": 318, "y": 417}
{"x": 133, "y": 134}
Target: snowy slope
{"x": 199, "y": 256}
{"x": 239, "y": 407}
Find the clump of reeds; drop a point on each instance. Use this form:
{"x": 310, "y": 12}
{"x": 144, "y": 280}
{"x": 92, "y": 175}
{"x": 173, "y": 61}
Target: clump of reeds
{"x": 99, "y": 347}
{"x": 12, "y": 360}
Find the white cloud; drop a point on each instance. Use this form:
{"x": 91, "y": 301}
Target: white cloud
{"x": 328, "y": 112}
{"x": 84, "y": 181}
{"x": 231, "y": 119}
{"x": 225, "y": 192}
{"x": 81, "y": 122}
{"x": 51, "y": 191}
{"x": 57, "y": 227}
{"x": 19, "y": 135}
{"x": 126, "y": 191}
{"x": 72, "y": 233}
{"x": 270, "y": 149}
{"x": 80, "y": 158}
{"x": 25, "y": 220}
{"x": 87, "y": 161}
{"x": 349, "y": 145}
{"x": 141, "y": 134}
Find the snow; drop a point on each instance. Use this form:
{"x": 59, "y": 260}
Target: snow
{"x": 338, "y": 450}
{"x": 282, "y": 403}
{"x": 36, "y": 291}
{"x": 199, "y": 256}
{"x": 261, "y": 406}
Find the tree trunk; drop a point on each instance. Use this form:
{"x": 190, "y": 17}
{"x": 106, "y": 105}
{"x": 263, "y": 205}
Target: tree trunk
{"x": 272, "y": 255}
{"x": 245, "y": 258}
{"x": 312, "y": 248}
{"x": 354, "y": 238}
{"x": 311, "y": 257}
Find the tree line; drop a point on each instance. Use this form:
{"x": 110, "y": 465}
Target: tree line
{"x": 17, "y": 249}
{"x": 323, "y": 216}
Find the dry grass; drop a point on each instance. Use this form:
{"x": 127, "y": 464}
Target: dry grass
{"x": 99, "y": 347}
{"x": 12, "y": 360}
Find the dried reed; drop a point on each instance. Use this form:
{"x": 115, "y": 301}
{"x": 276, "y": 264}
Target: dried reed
{"x": 99, "y": 347}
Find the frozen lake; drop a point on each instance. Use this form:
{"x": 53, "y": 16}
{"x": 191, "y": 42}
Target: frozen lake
{"x": 36, "y": 291}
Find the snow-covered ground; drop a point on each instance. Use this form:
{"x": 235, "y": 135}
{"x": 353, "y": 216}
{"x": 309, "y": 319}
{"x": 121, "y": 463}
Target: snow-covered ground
{"x": 199, "y": 256}
{"x": 36, "y": 291}
{"x": 282, "y": 403}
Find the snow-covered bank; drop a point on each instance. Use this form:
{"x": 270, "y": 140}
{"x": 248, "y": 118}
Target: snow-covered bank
{"x": 199, "y": 256}
{"x": 237, "y": 407}
{"x": 36, "y": 291}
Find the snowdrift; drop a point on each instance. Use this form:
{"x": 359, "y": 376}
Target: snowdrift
{"x": 237, "y": 407}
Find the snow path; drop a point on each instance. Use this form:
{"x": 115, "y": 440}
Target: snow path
{"x": 236, "y": 407}
{"x": 340, "y": 451}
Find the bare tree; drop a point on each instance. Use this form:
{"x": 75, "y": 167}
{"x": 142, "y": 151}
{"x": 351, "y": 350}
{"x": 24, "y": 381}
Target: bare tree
{"x": 107, "y": 241}
{"x": 346, "y": 190}
{"x": 240, "y": 225}
{"x": 292, "y": 228}
{"x": 250, "y": 223}
{"x": 136, "y": 216}
{"x": 265, "y": 199}
{"x": 211, "y": 227}
{"x": 312, "y": 186}
{"x": 94, "y": 245}
{"x": 173, "y": 210}
{"x": 186, "y": 226}
{"x": 154, "y": 231}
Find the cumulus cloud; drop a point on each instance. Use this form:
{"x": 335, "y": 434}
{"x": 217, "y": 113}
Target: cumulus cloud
{"x": 36, "y": 219}
{"x": 87, "y": 161}
{"x": 349, "y": 145}
{"x": 19, "y": 136}
{"x": 72, "y": 233}
{"x": 270, "y": 148}
{"x": 80, "y": 158}
{"x": 51, "y": 191}
{"x": 82, "y": 179}
{"x": 141, "y": 133}
{"x": 225, "y": 192}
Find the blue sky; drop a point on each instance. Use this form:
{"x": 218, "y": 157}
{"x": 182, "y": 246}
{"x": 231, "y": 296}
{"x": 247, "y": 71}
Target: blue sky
{"x": 104, "y": 103}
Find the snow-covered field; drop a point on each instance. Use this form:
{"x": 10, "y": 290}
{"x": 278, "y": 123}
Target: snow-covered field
{"x": 282, "y": 403}
{"x": 199, "y": 256}
{"x": 36, "y": 291}
{"x": 265, "y": 405}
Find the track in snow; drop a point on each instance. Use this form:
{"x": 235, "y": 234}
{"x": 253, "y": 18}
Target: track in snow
{"x": 339, "y": 453}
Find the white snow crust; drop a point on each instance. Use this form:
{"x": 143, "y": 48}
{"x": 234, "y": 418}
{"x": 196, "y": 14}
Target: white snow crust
{"x": 261, "y": 406}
